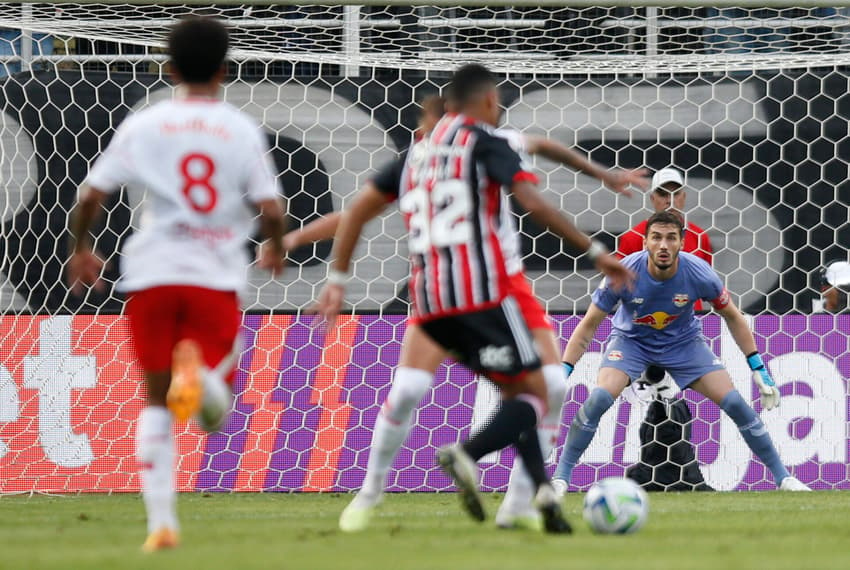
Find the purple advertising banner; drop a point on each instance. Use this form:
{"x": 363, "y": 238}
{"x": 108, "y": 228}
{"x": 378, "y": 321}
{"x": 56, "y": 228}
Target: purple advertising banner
{"x": 307, "y": 401}
{"x": 807, "y": 355}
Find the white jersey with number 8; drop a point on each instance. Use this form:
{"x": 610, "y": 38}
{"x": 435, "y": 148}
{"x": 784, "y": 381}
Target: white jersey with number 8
{"x": 203, "y": 164}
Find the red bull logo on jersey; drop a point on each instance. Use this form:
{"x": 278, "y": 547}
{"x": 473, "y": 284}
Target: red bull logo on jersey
{"x": 680, "y": 299}
{"x": 657, "y": 320}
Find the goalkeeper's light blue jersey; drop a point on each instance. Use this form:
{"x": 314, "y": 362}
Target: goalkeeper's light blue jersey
{"x": 661, "y": 313}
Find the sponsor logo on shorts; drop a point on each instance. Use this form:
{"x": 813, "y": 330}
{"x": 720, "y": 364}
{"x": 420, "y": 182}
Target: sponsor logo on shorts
{"x": 615, "y": 355}
{"x": 680, "y": 299}
{"x": 717, "y": 361}
{"x": 638, "y": 300}
{"x": 496, "y": 357}
{"x": 657, "y": 320}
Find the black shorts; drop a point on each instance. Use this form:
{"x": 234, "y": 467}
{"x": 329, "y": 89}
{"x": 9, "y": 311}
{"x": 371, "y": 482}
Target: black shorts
{"x": 495, "y": 342}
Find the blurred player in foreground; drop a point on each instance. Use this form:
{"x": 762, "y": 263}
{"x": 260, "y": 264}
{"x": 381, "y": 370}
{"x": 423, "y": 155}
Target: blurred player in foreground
{"x": 205, "y": 167}
{"x": 450, "y": 191}
{"x": 655, "y": 325}
{"x": 420, "y": 356}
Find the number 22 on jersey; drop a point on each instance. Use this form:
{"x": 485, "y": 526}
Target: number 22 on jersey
{"x": 439, "y": 218}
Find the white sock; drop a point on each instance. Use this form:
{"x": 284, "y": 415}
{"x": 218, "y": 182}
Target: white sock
{"x": 392, "y": 426}
{"x": 216, "y": 402}
{"x": 521, "y": 491}
{"x": 155, "y": 452}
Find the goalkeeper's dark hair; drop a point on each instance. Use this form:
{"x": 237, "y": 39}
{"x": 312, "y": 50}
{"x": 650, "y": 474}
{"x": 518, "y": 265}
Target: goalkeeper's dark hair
{"x": 198, "y": 47}
{"x": 468, "y": 82}
{"x": 665, "y": 217}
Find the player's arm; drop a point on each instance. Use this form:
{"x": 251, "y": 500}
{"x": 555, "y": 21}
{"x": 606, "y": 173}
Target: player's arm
{"x": 272, "y": 226}
{"x": 738, "y": 327}
{"x": 318, "y": 230}
{"x": 368, "y": 204}
{"x": 582, "y": 336}
{"x": 617, "y": 180}
{"x": 111, "y": 170}
{"x": 532, "y": 201}
{"x": 505, "y": 166}
{"x": 740, "y": 331}
{"x": 84, "y": 266}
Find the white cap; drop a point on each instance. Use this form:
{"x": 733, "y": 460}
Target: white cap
{"x": 665, "y": 175}
{"x": 838, "y": 274}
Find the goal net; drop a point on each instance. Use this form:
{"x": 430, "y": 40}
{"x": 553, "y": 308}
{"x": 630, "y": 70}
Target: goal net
{"x": 750, "y": 104}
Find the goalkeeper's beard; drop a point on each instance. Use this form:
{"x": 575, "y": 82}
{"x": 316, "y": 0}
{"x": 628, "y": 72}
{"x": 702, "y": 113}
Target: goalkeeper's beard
{"x": 664, "y": 266}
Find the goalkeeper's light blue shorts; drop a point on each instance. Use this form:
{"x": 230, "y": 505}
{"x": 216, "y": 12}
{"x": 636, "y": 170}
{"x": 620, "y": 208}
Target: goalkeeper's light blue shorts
{"x": 686, "y": 362}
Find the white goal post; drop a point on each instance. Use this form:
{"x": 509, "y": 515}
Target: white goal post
{"x": 749, "y": 100}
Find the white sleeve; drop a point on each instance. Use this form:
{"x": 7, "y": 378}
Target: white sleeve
{"x": 515, "y": 139}
{"x": 261, "y": 183}
{"x": 114, "y": 168}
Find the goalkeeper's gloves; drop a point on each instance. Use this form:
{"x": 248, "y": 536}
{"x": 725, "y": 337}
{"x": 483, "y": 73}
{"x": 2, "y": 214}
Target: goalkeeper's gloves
{"x": 568, "y": 369}
{"x": 767, "y": 387}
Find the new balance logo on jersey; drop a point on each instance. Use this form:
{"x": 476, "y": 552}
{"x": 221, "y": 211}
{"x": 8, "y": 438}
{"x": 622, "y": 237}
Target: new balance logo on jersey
{"x": 496, "y": 357}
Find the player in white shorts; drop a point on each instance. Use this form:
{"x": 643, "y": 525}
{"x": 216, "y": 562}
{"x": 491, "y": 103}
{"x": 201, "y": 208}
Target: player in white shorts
{"x": 205, "y": 168}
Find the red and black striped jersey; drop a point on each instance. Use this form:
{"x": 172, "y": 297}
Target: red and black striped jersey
{"x": 451, "y": 191}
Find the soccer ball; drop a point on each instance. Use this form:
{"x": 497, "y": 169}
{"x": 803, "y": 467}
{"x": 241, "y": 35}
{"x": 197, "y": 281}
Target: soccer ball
{"x": 616, "y": 506}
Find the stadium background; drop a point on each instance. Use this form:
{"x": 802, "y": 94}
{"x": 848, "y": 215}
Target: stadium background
{"x": 763, "y": 155}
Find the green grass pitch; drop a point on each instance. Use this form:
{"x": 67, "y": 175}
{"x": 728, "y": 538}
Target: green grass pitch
{"x": 769, "y": 530}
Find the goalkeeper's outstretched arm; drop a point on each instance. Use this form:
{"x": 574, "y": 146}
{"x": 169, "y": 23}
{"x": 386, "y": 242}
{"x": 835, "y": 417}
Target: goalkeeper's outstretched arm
{"x": 738, "y": 327}
{"x": 583, "y": 335}
{"x": 743, "y": 335}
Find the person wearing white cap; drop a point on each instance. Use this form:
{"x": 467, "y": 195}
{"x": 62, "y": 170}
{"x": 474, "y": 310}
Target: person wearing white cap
{"x": 834, "y": 286}
{"x": 667, "y": 192}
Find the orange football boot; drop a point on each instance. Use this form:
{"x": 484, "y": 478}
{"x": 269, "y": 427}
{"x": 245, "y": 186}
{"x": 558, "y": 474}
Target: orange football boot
{"x": 184, "y": 395}
{"x": 161, "y": 539}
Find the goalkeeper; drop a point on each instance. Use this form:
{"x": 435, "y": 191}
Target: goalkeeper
{"x": 655, "y": 324}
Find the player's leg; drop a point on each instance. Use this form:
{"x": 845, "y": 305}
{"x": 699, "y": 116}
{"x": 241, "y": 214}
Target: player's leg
{"x": 623, "y": 360}
{"x": 610, "y": 385}
{"x": 420, "y": 357}
{"x": 206, "y": 355}
{"x": 533, "y": 390}
{"x": 498, "y": 343}
{"x": 153, "y": 325}
{"x": 717, "y": 386}
{"x": 517, "y": 509}
{"x": 695, "y": 366}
